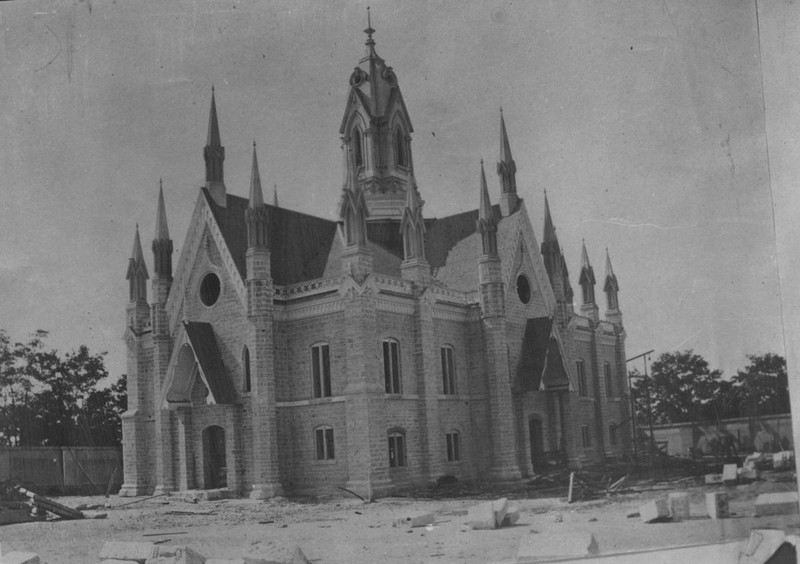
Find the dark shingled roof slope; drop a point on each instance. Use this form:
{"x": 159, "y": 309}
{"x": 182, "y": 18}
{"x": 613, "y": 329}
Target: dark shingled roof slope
{"x": 299, "y": 243}
{"x": 540, "y": 358}
{"x": 206, "y": 351}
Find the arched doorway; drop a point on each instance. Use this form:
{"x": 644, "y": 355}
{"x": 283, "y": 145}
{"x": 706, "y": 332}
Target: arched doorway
{"x": 214, "y": 464}
{"x": 536, "y": 435}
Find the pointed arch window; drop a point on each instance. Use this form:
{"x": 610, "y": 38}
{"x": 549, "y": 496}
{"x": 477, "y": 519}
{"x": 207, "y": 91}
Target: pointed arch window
{"x": 358, "y": 153}
{"x": 246, "y": 382}
{"x": 401, "y": 148}
{"x": 588, "y": 293}
{"x": 448, "y": 370}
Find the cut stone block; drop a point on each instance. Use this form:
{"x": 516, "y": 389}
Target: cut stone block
{"x": 654, "y": 510}
{"x": 482, "y": 516}
{"x": 717, "y": 505}
{"x": 781, "y": 503}
{"x": 712, "y": 479}
{"x": 762, "y": 545}
{"x": 782, "y": 460}
{"x": 679, "y": 506}
{"x": 757, "y": 460}
{"x": 748, "y": 474}
{"x": 729, "y": 474}
{"x": 20, "y": 558}
{"x": 176, "y": 555}
{"x": 243, "y": 560}
{"x": 298, "y": 557}
{"x": 136, "y": 551}
{"x": 416, "y": 521}
{"x": 512, "y": 516}
{"x": 500, "y": 508}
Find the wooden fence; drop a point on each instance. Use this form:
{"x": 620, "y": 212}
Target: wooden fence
{"x": 63, "y": 470}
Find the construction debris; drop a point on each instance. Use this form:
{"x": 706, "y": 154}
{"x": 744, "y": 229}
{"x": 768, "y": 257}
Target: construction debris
{"x": 764, "y": 545}
{"x": 416, "y": 521}
{"x": 781, "y": 503}
{"x": 52, "y": 506}
{"x": 135, "y": 551}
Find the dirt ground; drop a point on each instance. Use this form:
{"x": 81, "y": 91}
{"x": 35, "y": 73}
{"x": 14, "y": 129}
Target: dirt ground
{"x": 347, "y": 530}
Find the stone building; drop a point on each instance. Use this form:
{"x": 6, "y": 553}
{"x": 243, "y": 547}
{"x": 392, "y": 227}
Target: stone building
{"x": 290, "y": 353}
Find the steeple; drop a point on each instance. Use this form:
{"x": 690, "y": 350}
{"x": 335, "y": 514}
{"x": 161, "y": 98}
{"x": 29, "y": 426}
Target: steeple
{"x": 377, "y": 129}
{"x": 275, "y": 195}
{"x": 137, "y": 272}
{"x": 555, "y": 264}
{"x": 486, "y": 225}
{"x": 162, "y": 244}
{"x": 214, "y": 155}
{"x": 549, "y": 229}
{"x": 507, "y": 171}
{"x": 587, "y": 282}
{"x": 256, "y": 213}
{"x": 611, "y": 288}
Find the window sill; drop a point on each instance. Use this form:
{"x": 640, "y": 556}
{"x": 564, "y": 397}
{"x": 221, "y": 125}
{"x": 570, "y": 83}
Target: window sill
{"x": 313, "y": 401}
{"x": 325, "y": 462}
{"x": 402, "y": 396}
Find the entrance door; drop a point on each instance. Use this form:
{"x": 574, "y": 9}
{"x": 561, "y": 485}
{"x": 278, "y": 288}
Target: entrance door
{"x": 214, "y": 456}
{"x": 537, "y": 443}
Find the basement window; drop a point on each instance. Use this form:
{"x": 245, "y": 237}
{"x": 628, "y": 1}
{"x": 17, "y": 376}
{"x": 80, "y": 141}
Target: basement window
{"x": 324, "y": 440}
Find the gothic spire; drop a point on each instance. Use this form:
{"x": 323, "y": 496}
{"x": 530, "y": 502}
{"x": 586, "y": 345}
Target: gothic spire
{"x": 586, "y": 280}
{"x": 611, "y": 288}
{"x": 507, "y": 171}
{"x": 162, "y": 230}
{"x": 137, "y": 271}
{"x": 549, "y": 228}
{"x": 275, "y": 195}
{"x": 162, "y": 244}
{"x": 486, "y": 225}
{"x": 611, "y": 284}
{"x": 255, "y": 215}
{"x": 412, "y": 226}
{"x": 256, "y": 196}
{"x": 214, "y": 155}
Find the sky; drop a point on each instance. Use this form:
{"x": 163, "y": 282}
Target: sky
{"x": 643, "y": 121}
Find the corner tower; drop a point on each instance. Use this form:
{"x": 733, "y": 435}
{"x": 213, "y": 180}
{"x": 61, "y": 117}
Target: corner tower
{"x": 376, "y": 132}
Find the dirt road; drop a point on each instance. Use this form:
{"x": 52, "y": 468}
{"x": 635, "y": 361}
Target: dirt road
{"x": 348, "y": 530}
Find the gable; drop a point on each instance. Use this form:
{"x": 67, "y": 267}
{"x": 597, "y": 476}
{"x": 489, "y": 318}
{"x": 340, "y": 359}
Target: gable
{"x": 541, "y": 366}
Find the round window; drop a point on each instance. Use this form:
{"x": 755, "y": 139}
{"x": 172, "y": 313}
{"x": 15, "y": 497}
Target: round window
{"x": 209, "y": 289}
{"x": 523, "y": 289}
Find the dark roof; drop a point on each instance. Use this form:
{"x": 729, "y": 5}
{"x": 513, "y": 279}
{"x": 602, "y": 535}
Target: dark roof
{"x": 206, "y": 351}
{"x": 299, "y": 243}
{"x": 541, "y": 365}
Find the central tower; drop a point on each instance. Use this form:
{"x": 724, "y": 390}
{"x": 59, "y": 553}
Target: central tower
{"x": 376, "y": 135}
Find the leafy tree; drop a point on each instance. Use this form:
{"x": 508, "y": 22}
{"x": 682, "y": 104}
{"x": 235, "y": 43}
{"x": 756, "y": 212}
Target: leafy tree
{"x": 763, "y": 386}
{"x": 57, "y": 400}
{"x": 683, "y": 388}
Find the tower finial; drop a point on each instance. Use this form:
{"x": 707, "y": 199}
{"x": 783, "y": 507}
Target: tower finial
{"x": 369, "y": 31}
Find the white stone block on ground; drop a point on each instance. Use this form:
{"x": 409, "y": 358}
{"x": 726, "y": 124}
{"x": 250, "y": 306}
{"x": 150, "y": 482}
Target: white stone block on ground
{"x": 729, "y": 474}
{"x": 679, "y": 506}
{"x": 654, "y": 509}
{"x": 136, "y": 551}
{"x": 761, "y": 545}
{"x": 717, "y": 505}
{"x": 512, "y": 516}
{"x": 176, "y": 555}
{"x": 781, "y": 503}
{"x": 298, "y": 557}
{"x": 782, "y": 460}
{"x": 244, "y": 560}
{"x": 712, "y": 479}
{"x": 481, "y": 516}
{"x": 20, "y": 558}
{"x": 500, "y": 508}
{"x": 419, "y": 520}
